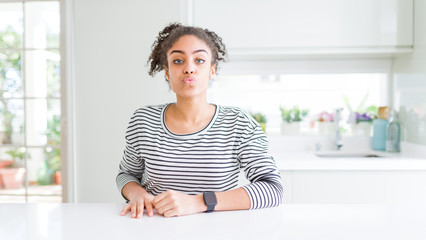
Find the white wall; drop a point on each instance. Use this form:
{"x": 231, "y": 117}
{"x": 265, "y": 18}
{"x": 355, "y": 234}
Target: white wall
{"x": 112, "y": 41}
{"x": 410, "y": 81}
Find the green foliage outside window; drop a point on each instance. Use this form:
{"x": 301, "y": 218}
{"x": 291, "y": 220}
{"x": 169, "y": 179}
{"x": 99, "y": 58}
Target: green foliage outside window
{"x": 10, "y": 60}
{"x": 53, "y": 135}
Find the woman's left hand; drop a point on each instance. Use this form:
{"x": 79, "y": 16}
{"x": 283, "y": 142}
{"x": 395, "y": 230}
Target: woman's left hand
{"x": 173, "y": 203}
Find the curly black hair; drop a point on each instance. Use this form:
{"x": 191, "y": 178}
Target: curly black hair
{"x": 170, "y": 34}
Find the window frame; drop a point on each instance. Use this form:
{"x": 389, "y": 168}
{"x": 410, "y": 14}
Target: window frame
{"x": 61, "y": 98}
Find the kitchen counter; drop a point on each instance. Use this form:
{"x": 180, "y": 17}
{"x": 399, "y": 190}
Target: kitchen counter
{"x": 313, "y": 172}
{"x": 304, "y": 221}
{"x": 308, "y": 161}
{"x": 298, "y": 153}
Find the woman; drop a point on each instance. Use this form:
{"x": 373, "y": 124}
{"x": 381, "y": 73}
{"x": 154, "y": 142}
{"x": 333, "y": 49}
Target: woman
{"x": 184, "y": 158}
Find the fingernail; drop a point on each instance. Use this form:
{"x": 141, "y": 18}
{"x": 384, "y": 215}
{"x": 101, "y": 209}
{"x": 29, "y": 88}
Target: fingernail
{"x": 133, "y": 215}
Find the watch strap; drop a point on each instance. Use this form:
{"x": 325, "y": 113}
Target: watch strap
{"x": 210, "y": 200}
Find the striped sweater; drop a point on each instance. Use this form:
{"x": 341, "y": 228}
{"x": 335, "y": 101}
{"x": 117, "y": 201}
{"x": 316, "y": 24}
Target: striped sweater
{"x": 207, "y": 160}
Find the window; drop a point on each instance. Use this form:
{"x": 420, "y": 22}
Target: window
{"x": 314, "y": 91}
{"x": 30, "y": 102}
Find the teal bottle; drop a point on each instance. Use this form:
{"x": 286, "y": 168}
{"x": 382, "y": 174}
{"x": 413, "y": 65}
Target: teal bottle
{"x": 379, "y": 134}
{"x": 393, "y": 134}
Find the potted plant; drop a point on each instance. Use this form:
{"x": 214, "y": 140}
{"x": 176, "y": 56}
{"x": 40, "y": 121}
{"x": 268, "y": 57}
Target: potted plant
{"x": 361, "y": 119}
{"x": 325, "y": 123}
{"x": 53, "y": 154}
{"x": 3, "y": 164}
{"x": 13, "y": 174}
{"x": 261, "y": 119}
{"x": 50, "y": 171}
{"x": 291, "y": 119}
{"x": 361, "y": 123}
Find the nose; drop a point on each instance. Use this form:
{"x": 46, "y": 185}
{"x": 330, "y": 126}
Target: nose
{"x": 189, "y": 69}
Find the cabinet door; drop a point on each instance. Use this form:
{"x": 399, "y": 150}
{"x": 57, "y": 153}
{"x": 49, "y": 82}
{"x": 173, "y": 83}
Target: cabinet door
{"x": 359, "y": 187}
{"x": 253, "y": 24}
{"x": 338, "y": 187}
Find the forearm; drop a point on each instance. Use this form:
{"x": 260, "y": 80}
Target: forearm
{"x": 132, "y": 188}
{"x": 173, "y": 203}
{"x": 237, "y": 199}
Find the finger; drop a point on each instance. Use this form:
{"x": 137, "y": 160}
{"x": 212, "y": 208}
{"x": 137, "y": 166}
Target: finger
{"x": 165, "y": 207}
{"x": 161, "y": 204}
{"x": 158, "y": 198}
{"x": 170, "y": 213}
{"x": 134, "y": 207}
{"x": 140, "y": 207}
{"x": 125, "y": 210}
{"x": 149, "y": 209}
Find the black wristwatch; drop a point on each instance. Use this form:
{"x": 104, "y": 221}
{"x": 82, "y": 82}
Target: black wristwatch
{"x": 210, "y": 200}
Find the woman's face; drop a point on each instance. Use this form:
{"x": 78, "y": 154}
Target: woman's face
{"x": 189, "y": 67}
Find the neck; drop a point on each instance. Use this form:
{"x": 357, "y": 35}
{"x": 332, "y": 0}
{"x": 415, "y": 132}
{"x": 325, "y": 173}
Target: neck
{"x": 191, "y": 110}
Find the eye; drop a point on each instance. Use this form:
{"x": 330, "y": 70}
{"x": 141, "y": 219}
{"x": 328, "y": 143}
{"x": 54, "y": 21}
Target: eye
{"x": 177, "y": 61}
{"x": 200, "y": 61}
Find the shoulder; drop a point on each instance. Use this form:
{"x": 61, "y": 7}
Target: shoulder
{"x": 237, "y": 114}
{"x": 232, "y": 111}
{"x": 151, "y": 113}
{"x": 150, "y": 109}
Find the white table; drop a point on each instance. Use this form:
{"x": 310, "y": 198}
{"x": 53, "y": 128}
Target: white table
{"x": 102, "y": 221}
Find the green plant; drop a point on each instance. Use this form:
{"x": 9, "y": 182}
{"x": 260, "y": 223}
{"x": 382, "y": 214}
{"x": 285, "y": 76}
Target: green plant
{"x": 17, "y": 155}
{"x": 293, "y": 114}
{"x": 53, "y": 134}
{"x": 10, "y": 61}
{"x": 260, "y": 118}
{"x": 54, "y": 159}
{"x": 53, "y": 131}
{"x": 361, "y": 113}
{"x": 7, "y": 123}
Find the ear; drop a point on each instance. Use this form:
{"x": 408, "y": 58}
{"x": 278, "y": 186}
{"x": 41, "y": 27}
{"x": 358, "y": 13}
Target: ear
{"x": 212, "y": 71}
{"x": 166, "y": 71}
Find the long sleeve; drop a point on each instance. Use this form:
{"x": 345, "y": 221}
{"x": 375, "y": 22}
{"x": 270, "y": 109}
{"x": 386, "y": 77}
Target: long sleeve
{"x": 132, "y": 166}
{"x": 266, "y": 188}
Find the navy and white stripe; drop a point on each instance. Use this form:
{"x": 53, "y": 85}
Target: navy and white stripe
{"x": 208, "y": 160}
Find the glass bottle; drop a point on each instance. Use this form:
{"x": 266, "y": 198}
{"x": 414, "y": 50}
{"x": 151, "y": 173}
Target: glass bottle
{"x": 379, "y": 129}
{"x": 393, "y": 134}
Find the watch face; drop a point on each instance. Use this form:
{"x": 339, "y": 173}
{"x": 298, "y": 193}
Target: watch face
{"x": 210, "y": 198}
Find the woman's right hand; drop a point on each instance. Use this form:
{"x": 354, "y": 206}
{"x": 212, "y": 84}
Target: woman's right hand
{"x": 139, "y": 199}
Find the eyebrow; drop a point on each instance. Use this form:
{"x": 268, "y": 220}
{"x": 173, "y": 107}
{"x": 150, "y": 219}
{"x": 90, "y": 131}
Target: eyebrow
{"x": 182, "y": 52}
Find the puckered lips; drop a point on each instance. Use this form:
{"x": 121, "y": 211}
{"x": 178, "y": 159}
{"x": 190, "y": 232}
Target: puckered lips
{"x": 189, "y": 80}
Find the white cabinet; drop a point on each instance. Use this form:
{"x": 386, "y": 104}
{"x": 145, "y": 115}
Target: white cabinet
{"x": 274, "y": 25}
{"x": 355, "y": 186}
{"x": 352, "y": 187}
